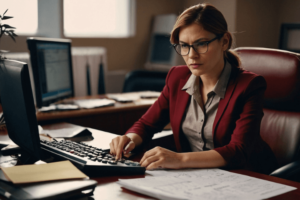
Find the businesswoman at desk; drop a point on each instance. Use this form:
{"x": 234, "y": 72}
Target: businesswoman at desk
{"x": 214, "y": 106}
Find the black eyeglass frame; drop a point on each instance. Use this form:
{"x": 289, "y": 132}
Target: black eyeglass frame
{"x": 207, "y": 43}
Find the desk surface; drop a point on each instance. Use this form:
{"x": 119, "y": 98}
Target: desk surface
{"x": 118, "y": 107}
{"x": 114, "y": 119}
{"x": 108, "y": 188}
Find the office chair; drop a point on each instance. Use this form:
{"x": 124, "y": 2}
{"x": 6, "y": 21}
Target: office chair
{"x": 142, "y": 80}
{"x": 280, "y": 126}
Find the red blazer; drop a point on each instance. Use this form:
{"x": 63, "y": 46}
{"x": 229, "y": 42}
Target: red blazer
{"x": 236, "y": 129}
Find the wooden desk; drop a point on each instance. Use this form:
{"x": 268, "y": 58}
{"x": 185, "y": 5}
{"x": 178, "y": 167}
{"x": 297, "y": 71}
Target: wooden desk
{"x": 108, "y": 188}
{"x": 114, "y": 119}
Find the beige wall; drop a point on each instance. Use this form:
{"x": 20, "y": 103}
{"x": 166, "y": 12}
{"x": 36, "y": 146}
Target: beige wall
{"x": 254, "y": 23}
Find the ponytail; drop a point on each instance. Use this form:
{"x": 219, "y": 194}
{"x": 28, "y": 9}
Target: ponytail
{"x": 233, "y": 58}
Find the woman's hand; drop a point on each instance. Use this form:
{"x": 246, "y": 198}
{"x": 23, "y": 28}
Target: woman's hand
{"x": 121, "y": 145}
{"x": 124, "y": 144}
{"x": 159, "y": 157}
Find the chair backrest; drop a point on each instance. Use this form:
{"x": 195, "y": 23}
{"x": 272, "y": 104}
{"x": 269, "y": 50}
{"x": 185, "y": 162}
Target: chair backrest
{"x": 280, "y": 126}
{"x": 142, "y": 80}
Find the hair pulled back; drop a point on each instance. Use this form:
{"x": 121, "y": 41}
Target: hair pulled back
{"x": 212, "y": 21}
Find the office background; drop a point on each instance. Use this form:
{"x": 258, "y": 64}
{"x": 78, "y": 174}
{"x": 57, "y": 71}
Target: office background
{"x": 254, "y": 23}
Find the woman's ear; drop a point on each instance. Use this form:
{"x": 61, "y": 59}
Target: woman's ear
{"x": 225, "y": 41}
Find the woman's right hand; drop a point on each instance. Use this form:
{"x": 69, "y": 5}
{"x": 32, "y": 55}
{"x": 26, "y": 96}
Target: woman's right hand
{"x": 121, "y": 145}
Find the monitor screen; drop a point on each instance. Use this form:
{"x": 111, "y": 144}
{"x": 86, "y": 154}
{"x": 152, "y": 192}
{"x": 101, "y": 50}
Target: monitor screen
{"x": 162, "y": 50}
{"x": 18, "y": 109}
{"x": 52, "y": 69}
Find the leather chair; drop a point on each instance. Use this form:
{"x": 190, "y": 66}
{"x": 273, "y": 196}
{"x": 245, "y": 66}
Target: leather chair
{"x": 142, "y": 80}
{"x": 280, "y": 126}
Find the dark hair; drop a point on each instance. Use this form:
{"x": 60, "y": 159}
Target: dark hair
{"x": 212, "y": 20}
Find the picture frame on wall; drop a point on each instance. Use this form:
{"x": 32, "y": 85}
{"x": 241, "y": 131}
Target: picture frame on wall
{"x": 290, "y": 37}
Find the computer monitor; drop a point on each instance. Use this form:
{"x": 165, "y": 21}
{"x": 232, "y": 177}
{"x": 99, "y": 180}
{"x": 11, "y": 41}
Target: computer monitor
{"x": 161, "y": 56}
{"x": 19, "y": 110}
{"x": 52, "y": 69}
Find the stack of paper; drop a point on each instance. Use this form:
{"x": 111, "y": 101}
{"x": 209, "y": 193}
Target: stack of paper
{"x": 77, "y": 104}
{"x": 204, "y": 184}
{"x": 94, "y": 103}
{"x": 65, "y": 131}
{"x": 136, "y": 97}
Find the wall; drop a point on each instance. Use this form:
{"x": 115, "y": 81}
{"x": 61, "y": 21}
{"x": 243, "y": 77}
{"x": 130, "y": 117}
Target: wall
{"x": 254, "y": 23}
{"x": 289, "y": 11}
{"x": 131, "y": 53}
{"x": 257, "y": 23}
{"x": 123, "y": 53}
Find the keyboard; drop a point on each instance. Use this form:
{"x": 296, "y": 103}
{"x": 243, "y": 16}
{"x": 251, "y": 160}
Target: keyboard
{"x": 91, "y": 160}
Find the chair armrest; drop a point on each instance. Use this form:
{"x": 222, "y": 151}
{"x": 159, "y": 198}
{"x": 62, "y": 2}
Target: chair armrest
{"x": 290, "y": 171}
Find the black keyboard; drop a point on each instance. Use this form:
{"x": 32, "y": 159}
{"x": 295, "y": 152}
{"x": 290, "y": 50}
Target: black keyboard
{"x": 91, "y": 160}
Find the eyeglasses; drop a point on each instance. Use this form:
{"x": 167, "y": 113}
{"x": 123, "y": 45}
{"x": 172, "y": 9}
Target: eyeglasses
{"x": 199, "y": 47}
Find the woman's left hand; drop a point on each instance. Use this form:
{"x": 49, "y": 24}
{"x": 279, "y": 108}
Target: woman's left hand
{"x": 159, "y": 157}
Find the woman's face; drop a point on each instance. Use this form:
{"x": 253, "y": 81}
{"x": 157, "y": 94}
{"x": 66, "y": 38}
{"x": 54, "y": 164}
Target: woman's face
{"x": 210, "y": 63}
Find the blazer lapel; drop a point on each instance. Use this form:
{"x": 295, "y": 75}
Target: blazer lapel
{"x": 181, "y": 103}
{"x": 224, "y": 102}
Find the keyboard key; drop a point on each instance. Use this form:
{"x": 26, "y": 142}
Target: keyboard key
{"x": 104, "y": 161}
{"x": 93, "y": 158}
{"x": 135, "y": 164}
{"x": 112, "y": 162}
{"x": 99, "y": 159}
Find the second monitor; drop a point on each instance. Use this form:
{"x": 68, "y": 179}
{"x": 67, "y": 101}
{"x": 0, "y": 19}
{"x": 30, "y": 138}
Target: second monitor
{"x": 52, "y": 69}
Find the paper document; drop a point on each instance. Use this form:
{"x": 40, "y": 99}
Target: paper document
{"x": 66, "y": 132}
{"x": 61, "y": 107}
{"x": 77, "y": 104}
{"x": 145, "y": 101}
{"x": 203, "y": 184}
{"x": 161, "y": 134}
{"x": 134, "y": 96}
{"x": 40, "y": 173}
{"x": 5, "y": 140}
{"x": 7, "y": 161}
{"x": 94, "y": 103}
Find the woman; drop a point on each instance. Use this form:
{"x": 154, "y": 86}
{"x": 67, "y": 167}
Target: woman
{"x": 215, "y": 107}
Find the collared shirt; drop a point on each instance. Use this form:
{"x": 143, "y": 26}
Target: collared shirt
{"x": 199, "y": 118}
